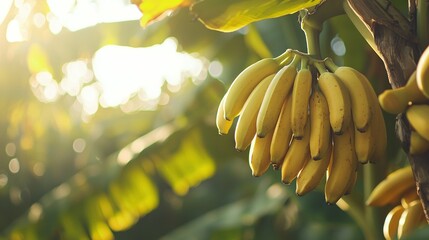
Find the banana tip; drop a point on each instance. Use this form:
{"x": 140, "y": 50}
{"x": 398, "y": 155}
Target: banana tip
{"x": 297, "y": 137}
{"x": 261, "y": 135}
{"x": 339, "y": 132}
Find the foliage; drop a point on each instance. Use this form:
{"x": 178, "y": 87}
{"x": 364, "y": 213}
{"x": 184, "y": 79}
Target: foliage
{"x": 163, "y": 173}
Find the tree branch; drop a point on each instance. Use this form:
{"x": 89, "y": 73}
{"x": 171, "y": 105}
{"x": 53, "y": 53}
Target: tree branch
{"x": 397, "y": 43}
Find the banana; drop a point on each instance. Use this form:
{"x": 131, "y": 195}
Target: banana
{"x": 392, "y": 188}
{"x": 282, "y": 134}
{"x": 408, "y": 197}
{"x": 365, "y": 144}
{"x": 312, "y": 173}
{"x": 296, "y": 157}
{"x": 338, "y": 100}
{"x": 259, "y": 155}
{"x": 244, "y": 83}
{"x": 418, "y": 116}
{"x": 411, "y": 218}
{"x": 274, "y": 98}
{"x": 246, "y": 124}
{"x": 320, "y": 136}
{"x": 423, "y": 73}
{"x": 222, "y": 124}
{"x": 377, "y": 124}
{"x": 418, "y": 145}
{"x": 300, "y": 98}
{"x": 359, "y": 96}
{"x": 391, "y": 222}
{"x": 352, "y": 182}
{"x": 342, "y": 167}
{"x": 397, "y": 100}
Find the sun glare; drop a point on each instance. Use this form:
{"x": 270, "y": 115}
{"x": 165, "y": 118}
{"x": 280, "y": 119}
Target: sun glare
{"x": 132, "y": 78}
{"x": 125, "y": 71}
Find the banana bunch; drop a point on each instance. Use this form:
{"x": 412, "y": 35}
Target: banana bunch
{"x": 306, "y": 117}
{"x": 398, "y": 189}
{"x": 413, "y": 99}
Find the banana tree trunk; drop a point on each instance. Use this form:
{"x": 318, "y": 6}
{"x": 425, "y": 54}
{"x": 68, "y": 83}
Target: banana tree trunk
{"x": 397, "y": 45}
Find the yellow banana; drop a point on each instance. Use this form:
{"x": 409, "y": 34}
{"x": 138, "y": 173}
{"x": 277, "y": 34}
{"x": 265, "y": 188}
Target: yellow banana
{"x": 423, "y": 73}
{"x": 408, "y": 197}
{"x": 222, "y": 124}
{"x": 377, "y": 124}
{"x": 391, "y": 222}
{"x": 418, "y": 116}
{"x": 296, "y": 157}
{"x": 397, "y": 100}
{"x": 273, "y": 101}
{"x": 411, "y": 218}
{"x": 338, "y": 100}
{"x": 365, "y": 144}
{"x": 300, "y": 98}
{"x": 352, "y": 182}
{"x": 342, "y": 167}
{"x": 359, "y": 96}
{"x": 244, "y": 83}
{"x": 312, "y": 173}
{"x": 246, "y": 124}
{"x": 320, "y": 136}
{"x": 282, "y": 134}
{"x": 392, "y": 188}
{"x": 259, "y": 155}
{"x": 418, "y": 145}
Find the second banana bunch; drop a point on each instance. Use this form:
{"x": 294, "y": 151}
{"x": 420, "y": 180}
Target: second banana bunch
{"x": 413, "y": 100}
{"x": 306, "y": 117}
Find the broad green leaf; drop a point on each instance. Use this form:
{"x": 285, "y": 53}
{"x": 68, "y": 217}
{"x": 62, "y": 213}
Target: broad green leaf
{"x": 228, "y": 16}
{"x": 153, "y": 10}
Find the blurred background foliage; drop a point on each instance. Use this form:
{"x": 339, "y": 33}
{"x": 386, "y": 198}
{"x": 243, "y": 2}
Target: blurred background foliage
{"x": 107, "y": 130}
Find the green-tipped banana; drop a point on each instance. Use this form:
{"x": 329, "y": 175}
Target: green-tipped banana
{"x": 273, "y": 101}
{"x": 300, "y": 98}
{"x": 246, "y": 124}
{"x": 244, "y": 84}
{"x": 423, "y": 73}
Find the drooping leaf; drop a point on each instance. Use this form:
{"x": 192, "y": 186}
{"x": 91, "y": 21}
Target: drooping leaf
{"x": 153, "y": 10}
{"x": 228, "y": 16}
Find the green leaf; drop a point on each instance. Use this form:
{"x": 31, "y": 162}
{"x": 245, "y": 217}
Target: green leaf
{"x": 153, "y": 10}
{"x": 228, "y": 16}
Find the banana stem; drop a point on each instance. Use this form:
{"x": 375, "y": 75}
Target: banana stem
{"x": 330, "y": 64}
{"x": 284, "y": 56}
{"x": 356, "y": 211}
{"x": 423, "y": 23}
{"x": 372, "y": 216}
{"x": 312, "y": 37}
{"x": 304, "y": 63}
{"x": 320, "y": 67}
